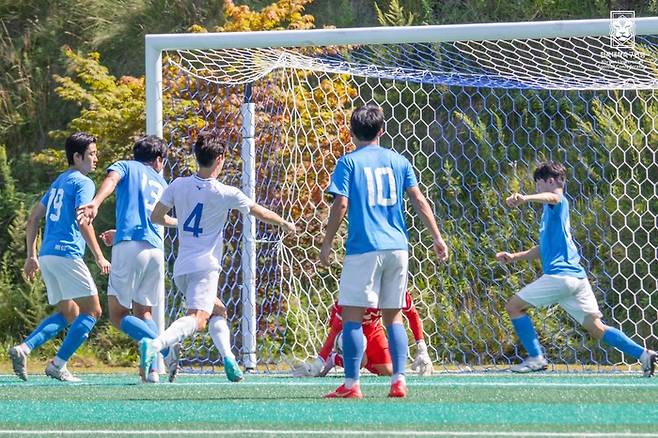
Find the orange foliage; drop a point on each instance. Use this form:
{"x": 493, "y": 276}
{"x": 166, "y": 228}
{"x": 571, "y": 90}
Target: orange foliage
{"x": 283, "y": 14}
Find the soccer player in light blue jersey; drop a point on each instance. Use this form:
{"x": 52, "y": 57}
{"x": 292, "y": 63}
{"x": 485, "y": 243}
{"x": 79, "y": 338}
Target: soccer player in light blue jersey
{"x": 68, "y": 281}
{"x": 369, "y": 185}
{"x": 137, "y": 278}
{"x": 564, "y": 281}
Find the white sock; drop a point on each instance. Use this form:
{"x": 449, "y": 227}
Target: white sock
{"x": 59, "y": 362}
{"x": 349, "y": 383}
{"x": 180, "y": 329}
{"x": 396, "y": 377}
{"x": 221, "y": 336}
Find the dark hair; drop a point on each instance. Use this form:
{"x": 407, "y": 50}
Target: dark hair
{"x": 366, "y": 122}
{"x": 208, "y": 147}
{"x": 77, "y": 142}
{"x": 550, "y": 169}
{"x": 147, "y": 149}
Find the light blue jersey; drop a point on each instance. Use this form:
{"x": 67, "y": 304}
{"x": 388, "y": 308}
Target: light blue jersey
{"x": 374, "y": 180}
{"x": 137, "y": 193}
{"x": 559, "y": 255}
{"x": 62, "y": 236}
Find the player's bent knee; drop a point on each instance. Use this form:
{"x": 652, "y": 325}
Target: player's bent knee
{"x": 117, "y": 314}
{"x": 515, "y": 307}
{"x": 201, "y": 318}
{"x": 95, "y": 312}
{"x": 201, "y": 324}
{"x": 69, "y": 309}
{"x": 141, "y": 311}
{"x": 594, "y": 326}
{"x": 381, "y": 369}
{"x": 219, "y": 309}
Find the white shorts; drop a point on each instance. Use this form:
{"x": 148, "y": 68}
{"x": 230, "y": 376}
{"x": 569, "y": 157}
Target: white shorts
{"x": 66, "y": 278}
{"x": 137, "y": 273}
{"x": 200, "y": 289}
{"x": 375, "y": 279}
{"x": 573, "y": 294}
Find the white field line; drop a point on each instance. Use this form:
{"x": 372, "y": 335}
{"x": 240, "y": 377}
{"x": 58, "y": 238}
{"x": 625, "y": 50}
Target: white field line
{"x": 642, "y": 383}
{"x": 163, "y": 432}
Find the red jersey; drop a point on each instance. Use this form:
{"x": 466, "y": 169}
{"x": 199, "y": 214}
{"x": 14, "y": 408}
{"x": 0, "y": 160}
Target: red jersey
{"x": 371, "y": 322}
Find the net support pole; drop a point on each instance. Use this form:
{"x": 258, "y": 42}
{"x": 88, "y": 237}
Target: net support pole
{"x": 248, "y": 298}
{"x": 153, "y": 88}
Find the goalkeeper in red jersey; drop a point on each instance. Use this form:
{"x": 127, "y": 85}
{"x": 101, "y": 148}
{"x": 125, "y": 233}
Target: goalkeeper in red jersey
{"x": 377, "y": 358}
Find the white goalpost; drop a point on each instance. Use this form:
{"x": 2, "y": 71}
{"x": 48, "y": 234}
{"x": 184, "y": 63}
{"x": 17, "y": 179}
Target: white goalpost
{"x": 473, "y": 107}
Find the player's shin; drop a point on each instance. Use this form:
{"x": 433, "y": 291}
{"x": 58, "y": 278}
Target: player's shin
{"x": 136, "y": 328}
{"x": 352, "y": 351}
{"x": 77, "y": 335}
{"x": 154, "y": 328}
{"x": 48, "y": 329}
{"x": 527, "y": 335}
{"x": 399, "y": 346}
{"x": 621, "y": 342}
{"x": 180, "y": 329}
{"x": 221, "y": 336}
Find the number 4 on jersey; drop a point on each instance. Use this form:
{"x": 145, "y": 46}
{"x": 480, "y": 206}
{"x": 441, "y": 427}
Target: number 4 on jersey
{"x": 195, "y": 219}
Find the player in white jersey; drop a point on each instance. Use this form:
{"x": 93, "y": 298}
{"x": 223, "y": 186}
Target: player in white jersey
{"x": 137, "y": 278}
{"x": 202, "y": 204}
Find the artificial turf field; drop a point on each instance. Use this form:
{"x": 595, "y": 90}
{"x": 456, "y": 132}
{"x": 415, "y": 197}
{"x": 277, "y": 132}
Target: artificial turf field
{"x": 489, "y": 404}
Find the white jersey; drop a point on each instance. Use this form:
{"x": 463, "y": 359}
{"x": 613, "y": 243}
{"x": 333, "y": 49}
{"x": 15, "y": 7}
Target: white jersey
{"x": 202, "y": 206}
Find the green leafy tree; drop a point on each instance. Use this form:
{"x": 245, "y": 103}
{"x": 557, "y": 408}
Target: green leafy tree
{"x": 22, "y": 304}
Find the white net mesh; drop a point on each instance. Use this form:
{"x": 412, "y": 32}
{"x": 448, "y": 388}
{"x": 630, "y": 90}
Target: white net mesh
{"x": 474, "y": 118}
{"x": 561, "y": 63}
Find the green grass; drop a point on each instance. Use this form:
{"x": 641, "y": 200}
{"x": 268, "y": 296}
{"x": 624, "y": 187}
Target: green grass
{"x": 497, "y": 404}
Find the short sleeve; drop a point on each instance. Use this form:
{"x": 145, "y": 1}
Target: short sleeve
{"x": 85, "y": 190}
{"x": 44, "y": 198}
{"x": 556, "y": 209}
{"x": 239, "y": 201}
{"x": 409, "y": 176}
{"x": 120, "y": 167}
{"x": 340, "y": 180}
{"x": 167, "y": 198}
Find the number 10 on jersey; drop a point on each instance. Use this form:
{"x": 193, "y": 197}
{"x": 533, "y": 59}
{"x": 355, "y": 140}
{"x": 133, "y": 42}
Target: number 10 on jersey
{"x": 375, "y": 180}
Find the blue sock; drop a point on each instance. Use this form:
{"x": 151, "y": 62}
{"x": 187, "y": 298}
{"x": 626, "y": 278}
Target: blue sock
{"x": 621, "y": 342}
{"x": 78, "y": 333}
{"x": 352, "y": 349}
{"x": 528, "y": 336}
{"x": 398, "y": 343}
{"x": 137, "y": 328}
{"x": 48, "y": 329}
{"x": 154, "y": 327}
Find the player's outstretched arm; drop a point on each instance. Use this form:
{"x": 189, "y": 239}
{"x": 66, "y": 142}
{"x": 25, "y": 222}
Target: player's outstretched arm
{"x": 424, "y": 210}
{"x": 31, "y": 265}
{"x": 518, "y": 199}
{"x": 270, "y": 217}
{"x": 88, "y": 233}
{"x": 159, "y": 216}
{"x": 510, "y": 257}
{"x": 87, "y": 213}
{"x": 336, "y": 215}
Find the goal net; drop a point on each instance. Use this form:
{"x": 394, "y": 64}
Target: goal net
{"x": 474, "y": 108}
